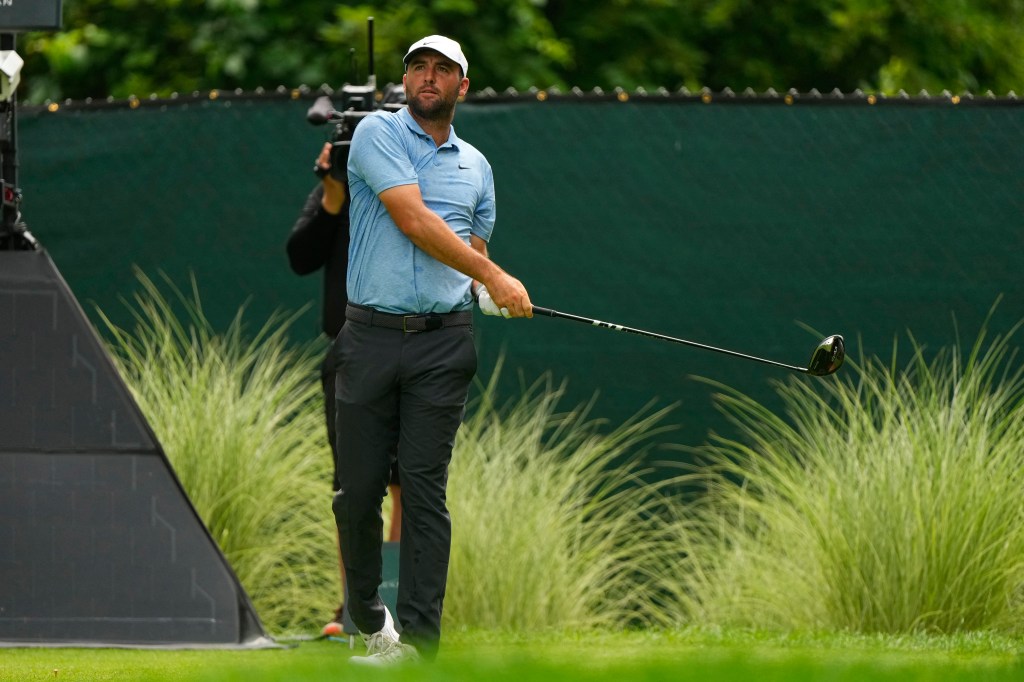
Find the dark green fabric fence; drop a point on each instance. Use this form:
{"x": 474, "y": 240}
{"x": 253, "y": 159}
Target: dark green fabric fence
{"x": 733, "y": 224}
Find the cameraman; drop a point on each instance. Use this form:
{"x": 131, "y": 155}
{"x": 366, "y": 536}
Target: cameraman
{"x": 319, "y": 239}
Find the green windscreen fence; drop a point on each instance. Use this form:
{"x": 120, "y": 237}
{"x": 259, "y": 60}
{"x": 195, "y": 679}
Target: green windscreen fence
{"x": 754, "y": 226}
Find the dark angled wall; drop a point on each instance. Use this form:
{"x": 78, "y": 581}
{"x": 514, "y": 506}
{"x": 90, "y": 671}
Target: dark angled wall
{"x": 98, "y": 543}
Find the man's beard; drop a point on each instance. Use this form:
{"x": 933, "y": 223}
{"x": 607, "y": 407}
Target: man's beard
{"x": 441, "y": 109}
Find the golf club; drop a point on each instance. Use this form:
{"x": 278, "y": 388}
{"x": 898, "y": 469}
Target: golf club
{"x": 826, "y": 358}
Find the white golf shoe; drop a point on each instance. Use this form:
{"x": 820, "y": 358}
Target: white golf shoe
{"x": 396, "y": 654}
{"x": 381, "y": 641}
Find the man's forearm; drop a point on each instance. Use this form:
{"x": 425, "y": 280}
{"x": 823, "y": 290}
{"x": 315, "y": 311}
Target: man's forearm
{"x": 430, "y": 233}
{"x": 334, "y": 197}
{"x": 433, "y": 236}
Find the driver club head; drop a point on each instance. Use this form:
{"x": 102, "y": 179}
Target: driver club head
{"x": 827, "y": 357}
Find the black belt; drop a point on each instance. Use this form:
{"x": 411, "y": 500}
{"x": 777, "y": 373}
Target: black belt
{"x": 408, "y": 323}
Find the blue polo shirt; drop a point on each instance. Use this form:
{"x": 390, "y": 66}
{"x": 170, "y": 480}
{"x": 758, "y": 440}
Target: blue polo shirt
{"x": 386, "y": 271}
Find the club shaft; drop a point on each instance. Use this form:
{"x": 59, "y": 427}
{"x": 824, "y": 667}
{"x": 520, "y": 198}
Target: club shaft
{"x": 548, "y": 312}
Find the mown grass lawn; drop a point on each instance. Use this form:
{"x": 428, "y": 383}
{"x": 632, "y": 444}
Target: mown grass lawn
{"x": 480, "y": 656}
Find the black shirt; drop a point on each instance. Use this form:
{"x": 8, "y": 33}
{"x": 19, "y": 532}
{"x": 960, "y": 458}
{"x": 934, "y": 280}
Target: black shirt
{"x": 320, "y": 240}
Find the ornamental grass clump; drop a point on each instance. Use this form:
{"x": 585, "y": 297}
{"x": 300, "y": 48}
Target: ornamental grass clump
{"x": 888, "y": 501}
{"x": 241, "y": 422}
{"x": 554, "y": 526}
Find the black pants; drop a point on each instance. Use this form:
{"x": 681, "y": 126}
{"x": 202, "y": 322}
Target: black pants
{"x": 328, "y": 372}
{"x": 404, "y": 389}
{"x": 328, "y": 379}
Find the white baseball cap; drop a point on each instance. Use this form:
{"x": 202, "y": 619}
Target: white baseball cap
{"x": 446, "y": 46}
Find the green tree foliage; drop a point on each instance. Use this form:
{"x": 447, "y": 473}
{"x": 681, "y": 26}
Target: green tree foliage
{"x": 876, "y": 45}
{"x": 138, "y": 47}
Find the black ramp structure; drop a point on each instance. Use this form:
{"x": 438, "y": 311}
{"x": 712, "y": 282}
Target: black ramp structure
{"x": 99, "y": 544}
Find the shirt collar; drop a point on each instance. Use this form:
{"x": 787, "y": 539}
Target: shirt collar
{"x": 415, "y": 127}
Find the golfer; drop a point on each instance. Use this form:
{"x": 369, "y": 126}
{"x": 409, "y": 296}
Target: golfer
{"x": 422, "y": 212}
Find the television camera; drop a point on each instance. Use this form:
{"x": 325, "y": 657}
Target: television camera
{"x": 357, "y": 102}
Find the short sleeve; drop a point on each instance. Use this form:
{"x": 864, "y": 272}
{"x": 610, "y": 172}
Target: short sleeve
{"x": 378, "y": 155}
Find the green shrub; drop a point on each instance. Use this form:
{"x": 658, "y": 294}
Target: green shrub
{"x": 884, "y": 500}
{"x": 547, "y": 533}
{"x": 554, "y": 526}
{"x": 888, "y": 501}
